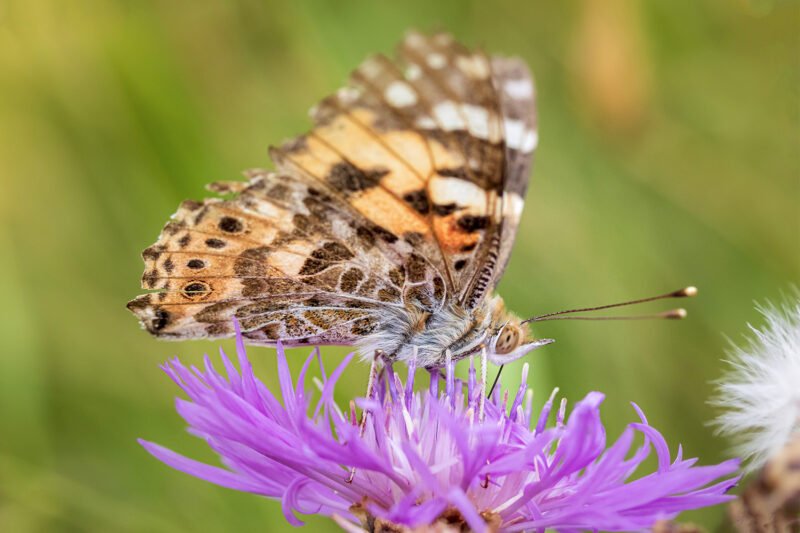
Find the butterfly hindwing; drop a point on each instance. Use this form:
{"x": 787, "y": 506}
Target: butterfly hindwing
{"x": 281, "y": 256}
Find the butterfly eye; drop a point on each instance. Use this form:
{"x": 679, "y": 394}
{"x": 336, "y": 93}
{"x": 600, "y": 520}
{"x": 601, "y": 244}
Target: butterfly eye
{"x": 507, "y": 339}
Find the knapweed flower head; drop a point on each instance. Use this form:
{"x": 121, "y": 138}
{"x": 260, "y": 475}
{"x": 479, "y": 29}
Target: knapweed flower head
{"x": 441, "y": 459}
{"x": 760, "y": 394}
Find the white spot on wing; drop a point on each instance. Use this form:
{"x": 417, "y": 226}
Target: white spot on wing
{"x": 519, "y": 89}
{"x": 436, "y": 60}
{"x": 473, "y": 66}
{"x": 481, "y": 121}
{"x": 443, "y": 39}
{"x": 341, "y": 229}
{"x": 447, "y": 115}
{"x": 531, "y": 141}
{"x": 413, "y": 72}
{"x": 512, "y": 205}
{"x": 426, "y": 123}
{"x": 415, "y": 39}
{"x": 519, "y": 136}
{"x": 347, "y": 95}
{"x": 400, "y": 94}
{"x": 371, "y": 68}
{"x": 447, "y": 190}
{"x": 478, "y": 119}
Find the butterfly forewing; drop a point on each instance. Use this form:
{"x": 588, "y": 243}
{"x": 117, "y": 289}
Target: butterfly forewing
{"x": 404, "y": 196}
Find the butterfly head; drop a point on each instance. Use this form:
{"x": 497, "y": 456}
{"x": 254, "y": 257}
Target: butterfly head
{"x": 511, "y": 341}
{"x": 510, "y": 337}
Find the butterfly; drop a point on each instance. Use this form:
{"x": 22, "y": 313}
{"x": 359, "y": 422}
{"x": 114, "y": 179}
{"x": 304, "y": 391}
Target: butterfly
{"x": 386, "y": 227}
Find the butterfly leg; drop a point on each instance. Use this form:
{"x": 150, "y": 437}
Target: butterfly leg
{"x": 362, "y": 424}
{"x": 496, "y": 380}
{"x": 483, "y": 396}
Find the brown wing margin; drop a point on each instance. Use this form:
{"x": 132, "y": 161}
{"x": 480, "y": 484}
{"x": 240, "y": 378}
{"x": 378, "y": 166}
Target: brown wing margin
{"x": 517, "y": 96}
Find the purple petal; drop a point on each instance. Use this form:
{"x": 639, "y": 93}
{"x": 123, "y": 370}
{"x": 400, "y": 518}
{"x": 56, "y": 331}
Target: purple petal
{"x": 420, "y": 454}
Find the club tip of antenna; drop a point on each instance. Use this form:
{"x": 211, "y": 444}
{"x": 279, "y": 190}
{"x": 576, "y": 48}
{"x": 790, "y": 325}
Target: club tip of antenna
{"x": 686, "y": 292}
{"x": 675, "y": 314}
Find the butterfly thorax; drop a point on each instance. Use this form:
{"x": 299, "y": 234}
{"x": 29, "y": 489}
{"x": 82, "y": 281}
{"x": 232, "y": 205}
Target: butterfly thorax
{"x": 427, "y": 336}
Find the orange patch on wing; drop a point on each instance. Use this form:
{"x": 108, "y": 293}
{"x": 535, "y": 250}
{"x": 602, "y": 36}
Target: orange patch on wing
{"x": 368, "y": 151}
{"x": 379, "y": 206}
{"x": 413, "y": 148}
{"x": 451, "y": 237}
{"x": 317, "y": 158}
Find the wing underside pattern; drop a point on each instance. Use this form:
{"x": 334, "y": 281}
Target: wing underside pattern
{"x": 406, "y": 192}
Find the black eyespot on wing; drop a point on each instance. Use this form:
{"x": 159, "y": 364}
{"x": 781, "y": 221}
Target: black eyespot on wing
{"x": 196, "y": 264}
{"x": 195, "y": 290}
{"x": 215, "y": 243}
{"x": 230, "y": 225}
{"x": 460, "y": 264}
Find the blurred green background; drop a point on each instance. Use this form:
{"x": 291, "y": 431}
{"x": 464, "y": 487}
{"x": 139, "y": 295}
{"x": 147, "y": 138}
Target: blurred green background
{"x": 668, "y": 157}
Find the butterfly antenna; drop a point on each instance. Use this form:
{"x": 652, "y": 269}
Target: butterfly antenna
{"x": 673, "y": 314}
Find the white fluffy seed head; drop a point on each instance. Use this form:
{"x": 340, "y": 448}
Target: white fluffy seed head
{"x": 760, "y": 392}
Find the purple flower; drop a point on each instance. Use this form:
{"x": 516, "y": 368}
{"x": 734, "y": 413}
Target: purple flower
{"x": 431, "y": 457}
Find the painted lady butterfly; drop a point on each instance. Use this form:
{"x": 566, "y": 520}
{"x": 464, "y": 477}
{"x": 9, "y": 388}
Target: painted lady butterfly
{"x": 386, "y": 227}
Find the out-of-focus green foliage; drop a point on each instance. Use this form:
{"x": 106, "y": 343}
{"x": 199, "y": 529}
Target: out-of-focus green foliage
{"x": 668, "y": 157}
